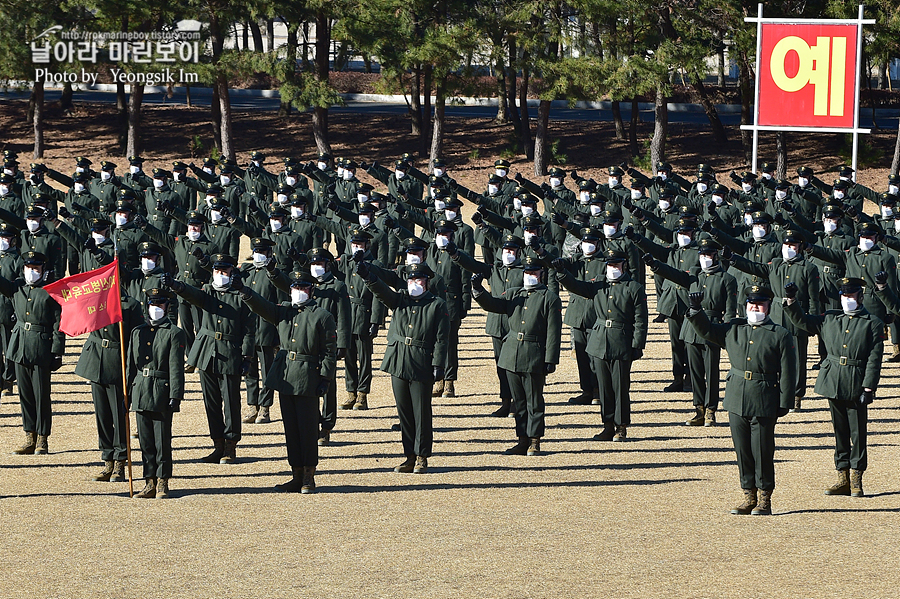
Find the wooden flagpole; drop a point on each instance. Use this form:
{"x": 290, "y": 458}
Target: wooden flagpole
{"x": 127, "y": 415}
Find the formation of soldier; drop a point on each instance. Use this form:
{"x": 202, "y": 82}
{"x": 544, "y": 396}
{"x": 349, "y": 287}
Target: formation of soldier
{"x": 756, "y": 269}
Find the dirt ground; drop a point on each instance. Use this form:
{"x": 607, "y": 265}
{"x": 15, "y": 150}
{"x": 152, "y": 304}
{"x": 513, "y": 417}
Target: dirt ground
{"x": 644, "y": 518}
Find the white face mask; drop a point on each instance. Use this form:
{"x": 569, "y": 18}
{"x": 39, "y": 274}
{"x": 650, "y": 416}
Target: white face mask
{"x": 866, "y": 244}
{"x": 893, "y": 189}
{"x": 439, "y": 204}
{"x": 79, "y": 169}
{"x": 849, "y": 304}
{"x": 210, "y": 200}
{"x": 412, "y": 259}
{"x": 787, "y": 252}
{"x": 438, "y": 172}
{"x": 555, "y": 182}
{"x": 755, "y": 317}
{"x": 322, "y": 165}
{"x": 758, "y": 232}
{"x": 886, "y": 211}
{"x": 528, "y": 236}
{"x": 356, "y": 248}
{"x": 719, "y": 200}
{"x": 767, "y": 176}
{"x": 442, "y": 241}
{"x": 830, "y": 225}
{"x": 501, "y": 172}
{"x": 148, "y": 265}
{"x": 290, "y": 180}
{"x": 158, "y": 183}
{"x": 613, "y": 273}
{"x": 584, "y": 197}
{"x": 780, "y": 194}
{"x": 348, "y": 175}
{"x": 664, "y": 205}
{"x": 663, "y": 175}
{"x": 4, "y": 244}
{"x": 517, "y": 204}
{"x": 317, "y": 270}
{"x": 683, "y": 240}
{"x": 897, "y": 225}
{"x": 508, "y": 257}
{"x": 34, "y": 179}
{"x": 596, "y": 210}
{"x": 296, "y": 212}
{"x": 610, "y": 230}
{"x": 224, "y": 179}
{"x": 193, "y": 235}
{"x": 492, "y": 189}
{"x": 450, "y": 214}
{"x": 636, "y": 194}
{"x": 838, "y": 194}
{"x": 399, "y": 174}
{"x": 844, "y": 178}
{"x": 706, "y": 261}
{"x": 340, "y": 172}
{"x": 31, "y": 275}
{"x": 177, "y": 175}
{"x": 414, "y": 288}
{"x": 4, "y": 190}
{"x": 530, "y": 280}
{"x": 134, "y": 169}
{"x": 802, "y": 181}
{"x": 275, "y": 224}
{"x": 105, "y": 175}
{"x": 221, "y": 279}
{"x": 588, "y": 248}
{"x": 613, "y": 181}
{"x": 433, "y": 191}
{"x": 260, "y": 259}
{"x": 207, "y": 170}
{"x": 98, "y": 237}
{"x": 33, "y": 225}
{"x": 121, "y": 219}
{"x": 215, "y": 216}
{"x": 78, "y": 187}
{"x": 702, "y": 187}
{"x": 748, "y": 219}
{"x": 254, "y": 162}
{"x": 155, "y": 313}
{"x": 527, "y": 210}
{"x": 364, "y": 220}
{"x": 298, "y": 296}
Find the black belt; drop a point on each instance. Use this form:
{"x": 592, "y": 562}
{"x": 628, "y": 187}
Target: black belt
{"x": 32, "y": 327}
{"x": 409, "y": 341}
{"x": 157, "y": 374}
{"x": 219, "y": 335}
{"x": 749, "y": 375}
{"x": 845, "y": 361}
{"x": 295, "y": 357}
{"x": 108, "y": 343}
{"x": 358, "y": 301}
{"x": 524, "y": 337}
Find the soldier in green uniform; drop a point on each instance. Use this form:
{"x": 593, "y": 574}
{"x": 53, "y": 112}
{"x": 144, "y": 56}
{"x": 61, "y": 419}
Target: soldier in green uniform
{"x": 759, "y": 389}
{"x": 156, "y": 386}
{"x": 148, "y": 276}
{"x": 36, "y": 347}
{"x": 37, "y": 237}
{"x": 414, "y": 356}
{"x": 301, "y": 373}
{"x": 617, "y": 338}
{"x": 531, "y": 349}
{"x": 221, "y": 352}
{"x": 9, "y": 200}
{"x": 854, "y": 342}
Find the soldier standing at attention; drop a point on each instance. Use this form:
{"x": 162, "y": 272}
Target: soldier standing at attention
{"x": 10, "y": 267}
{"x": 156, "y": 386}
{"x": 36, "y": 347}
{"x": 854, "y": 342}
{"x": 531, "y": 349}
{"x": 302, "y": 372}
{"x": 759, "y": 389}
{"x": 415, "y": 355}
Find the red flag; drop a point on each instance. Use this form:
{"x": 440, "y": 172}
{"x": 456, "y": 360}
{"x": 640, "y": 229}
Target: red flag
{"x": 90, "y": 300}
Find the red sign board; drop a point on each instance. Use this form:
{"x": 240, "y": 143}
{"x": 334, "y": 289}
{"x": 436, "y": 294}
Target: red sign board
{"x": 807, "y": 75}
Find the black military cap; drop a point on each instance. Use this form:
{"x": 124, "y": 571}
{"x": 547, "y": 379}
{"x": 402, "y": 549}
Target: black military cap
{"x": 519, "y": 190}
{"x": 494, "y": 179}
{"x": 99, "y": 224}
{"x": 637, "y": 184}
{"x": 134, "y": 160}
{"x": 107, "y": 165}
{"x": 501, "y": 163}
{"x": 319, "y": 255}
{"x": 367, "y": 208}
{"x": 441, "y": 193}
{"x": 159, "y": 295}
{"x": 761, "y": 218}
{"x": 364, "y": 188}
{"x": 758, "y": 293}
{"x": 782, "y": 184}
{"x": 894, "y": 179}
{"x": 80, "y": 178}
{"x": 708, "y": 246}
{"x": 419, "y": 271}
{"x": 379, "y": 197}
{"x": 527, "y": 198}
{"x": 401, "y": 165}
{"x": 226, "y": 169}
{"x": 217, "y": 203}
{"x": 278, "y": 212}
{"x": 845, "y": 171}
{"x": 792, "y": 236}
{"x": 667, "y": 192}
{"x": 210, "y": 162}
{"x": 40, "y": 198}
{"x": 767, "y": 167}
{"x": 685, "y": 224}
{"x": 296, "y": 199}
{"x": 705, "y": 177}
{"x": 178, "y": 165}
{"x": 805, "y": 171}
{"x": 324, "y": 156}
{"x": 339, "y": 161}
{"x": 581, "y": 218}
{"x": 687, "y": 212}
{"x": 616, "y": 171}
{"x": 851, "y": 285}
{"x": 611, "y": 216}
{"x": 302, "y": 278}
{"x": 663, "y": 166}
{"x": 257, "y": 155}
{"x": 556, "y": 172}
{"x": 213, "y": 189}
{"x": 359, "y": 234}
{"x": 7, "y": 230}
{"x": 261, "y": 243}
{"x": 868, "y": 230}
{"x": 752, "y": 207}
{"x": 833, "y": 211}
{"x": 35, "y": 258}
{"x": 223, "y": 261}
{"x": 407, "y": 157}
{"x": 590, "y": 234}
{"x": 438, "y": 163}
{"x": 888, "y": 199}
{"x": 149, "y": 248}
{"x": 161, "y": 173}
{"x": 195, "y": 217}
{"x": 532, "y": 222}
{"x": 350, "y": 165}
{"x": 444, "y": 226}
{"x": 37, "y": 167}
{"x": 83, "y": 162}
{"x": 841, "y": 184}
{"x": 127, "y": 195}
{"x": 530, "y": 263}
{"x": 10, "y": 162}
{"x": 414, "y": 243}
{"x": 595, "y": 198}
{"x": 586, "y": 185}
{"x": 511, "y": 241}
{"x": 453, "y": 202}
{"x": 4, "y": 178}
{"x": 718, "y": 189}
{"x": 294, "y": 169}
{"x": 613, "y": 256}
{"x": 705, "y": 168}
{"x": 10, "y": 154}
{"x": 34, "y": 211}
{"x": 285, "y": 189}
{"x": 288, "y": 161}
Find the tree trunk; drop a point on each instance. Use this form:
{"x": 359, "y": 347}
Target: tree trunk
{"x": 525, "y": 125}
{"x": 304, "y": 60}
{"x": 270, "y": 35}
{"x": 780, "y": 154}
{"x": 426, "y": 110}
{"x": 245, "y": 35}
{"x": 225, "y": 114}
{"x": 215, "y": 112}
{"x": 415, "y": 101}
{"x": 541, "y": 141}
{"x": 746, "y": 115}
{"x": 122, "y": 116}
{"x": 437, "y": 129}
{"x": 660, "y": 129}
{"x": 501, "y": 118}
{"x": 65, "y": 99}
{"x": 284, "y": 108}
{"x": 895, "y": 163}
{"x": 37, "y": 96}
{"x": 257, "y": 36}
{"x": 323, "y": 67}
{"x": 711, "y": 113}
{"x": 720, "y": 70}
{"x": 511, "y": 83}
{"x": 617, "y": 119}
{"x": 135, "y": 99}
{"x": 632, "y": 129}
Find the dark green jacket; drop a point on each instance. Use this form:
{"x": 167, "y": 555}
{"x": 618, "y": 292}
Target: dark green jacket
{"x": 365, "y": 310}
{"x": 258, "y": 280}
{"x": 330, "y": 294}
{"x": 580, "y": 312}
{"x": 500, "y": 278}
{"x": 864, "y": 265}
{"x": 89, "y": 260}
{"x": 155, "y": 366}
{"x": 101, "y": 358}
{"x": 187, "y": 266}
{"x": 35, "y": 335}
{"x": 10, "y": 269}
{"x": 227, "y": 330}
{"x": 673, "y": 297}
{"x": 719, "y": 294}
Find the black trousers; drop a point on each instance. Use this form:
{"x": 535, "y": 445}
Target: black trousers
{"x": 679, "y": 351}
{"x": 7, "y": 366}
{"x": 528, "y": 403}
{"x": 300, "y": 416}
{"x": 154, "y": 431}
{"x": 257, "y": 392}
{"x": 703, "y": 361}
{"x": 505, "y": 393}
{"x": 358, "y": 365}
{"x": 587, "y": 380}
{"x": 109, "y": 409}
{"x": 413, "y": 399}
{"x": 754, "y": 445}
{"x": 614, "y": 377}
{"x": 328, "y": 412}
{"x": 189, "y": 318}
{"x": 802, "y": 342}
{"x": 222, "y": 400}
{"x": 850, "y": 421}
{"x": 34, "y": 397}
{"x": 451, "y": 368}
